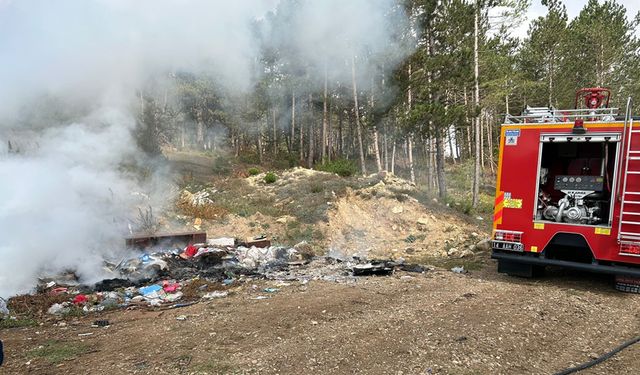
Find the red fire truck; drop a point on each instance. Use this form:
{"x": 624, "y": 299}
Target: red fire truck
{"x": 568, "y": 190}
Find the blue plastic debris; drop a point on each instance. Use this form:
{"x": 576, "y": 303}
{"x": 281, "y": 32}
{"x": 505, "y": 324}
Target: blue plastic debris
{"x": 146, "y": 290}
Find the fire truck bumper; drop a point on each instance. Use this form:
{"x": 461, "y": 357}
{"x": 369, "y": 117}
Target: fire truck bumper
{"x": 510, "y": 261}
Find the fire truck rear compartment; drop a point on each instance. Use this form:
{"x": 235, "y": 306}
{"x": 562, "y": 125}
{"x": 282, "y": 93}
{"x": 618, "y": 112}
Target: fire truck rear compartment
{"x": 575, "y": 180}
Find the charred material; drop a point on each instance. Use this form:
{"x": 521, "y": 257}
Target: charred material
{"x": 144, "y": 241}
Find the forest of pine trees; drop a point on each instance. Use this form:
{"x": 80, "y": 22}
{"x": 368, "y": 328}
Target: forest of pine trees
{"x": 438, "y": 100}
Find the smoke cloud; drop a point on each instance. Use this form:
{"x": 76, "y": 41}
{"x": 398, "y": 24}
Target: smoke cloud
{"x": 70, "y": 71}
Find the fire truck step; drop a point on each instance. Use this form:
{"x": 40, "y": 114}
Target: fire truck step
{"x": 632, "y": 192}
{"x": 634, "y": 158}
{"x": 635, "y": 131}
{"x": 631, "y": 213}
{"x": 631, "y": 222}
{"x": 630, "y": 236}
{"x": 634, "y": 152}
{"x": 633, "y": 172}
{"x": 631, "y": 202}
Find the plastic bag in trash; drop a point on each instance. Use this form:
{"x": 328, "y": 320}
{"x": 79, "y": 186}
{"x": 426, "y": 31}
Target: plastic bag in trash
{"x": 58, "y": 309}
{"x": 215, "y": 294}
{"x": 150, "y": 289}
{"x": 3, "y": 307}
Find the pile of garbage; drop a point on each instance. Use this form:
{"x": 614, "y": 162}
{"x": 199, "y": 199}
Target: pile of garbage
{"x": 171, "y": 278}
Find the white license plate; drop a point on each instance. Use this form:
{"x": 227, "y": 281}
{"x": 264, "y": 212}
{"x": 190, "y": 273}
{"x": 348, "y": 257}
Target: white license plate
{"x": 510, "y": 246}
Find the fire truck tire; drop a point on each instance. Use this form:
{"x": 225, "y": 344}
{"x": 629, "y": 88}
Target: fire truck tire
{"x": 628, "y": 288}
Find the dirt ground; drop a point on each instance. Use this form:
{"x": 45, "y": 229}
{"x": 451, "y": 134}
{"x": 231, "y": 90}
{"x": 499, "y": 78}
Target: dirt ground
{"x": 438, "y": 322}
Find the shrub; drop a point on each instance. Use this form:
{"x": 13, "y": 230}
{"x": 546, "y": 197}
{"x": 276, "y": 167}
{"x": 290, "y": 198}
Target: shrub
{"x": 316, "y": 188}
{"x": 249, "y": 158}
{"x": 222, "y": 166}
{"x": 253, "y": 171}
{"x": 341, "y": 167}
{"x": 270, "y": 178}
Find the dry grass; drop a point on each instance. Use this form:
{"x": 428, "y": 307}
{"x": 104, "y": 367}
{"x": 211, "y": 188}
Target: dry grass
{"x": 34, "y": 305}
{"x": 206, "y": 211}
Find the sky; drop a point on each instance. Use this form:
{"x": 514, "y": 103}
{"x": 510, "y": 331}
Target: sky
{"x": 573, "y": 9}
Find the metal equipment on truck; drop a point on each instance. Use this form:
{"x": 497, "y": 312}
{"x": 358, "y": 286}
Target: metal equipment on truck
{"x": 568, "y": 190}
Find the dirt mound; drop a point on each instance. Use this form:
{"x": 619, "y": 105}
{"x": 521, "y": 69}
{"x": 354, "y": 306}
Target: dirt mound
{"x": 376, "y": 216}
{"x": 384, "y": 221}
{"x": 288, "y": 177}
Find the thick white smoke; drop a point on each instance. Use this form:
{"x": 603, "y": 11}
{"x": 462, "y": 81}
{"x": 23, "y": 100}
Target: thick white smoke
{"x": 64, "y": 199}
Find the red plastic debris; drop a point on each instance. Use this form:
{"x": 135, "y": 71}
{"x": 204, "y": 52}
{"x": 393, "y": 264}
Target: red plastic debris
{"x": 57, "y": 291}
{"x": 190, "y": 251}
{"x": 80, "y": 299}
{"x": 170, "y": 287}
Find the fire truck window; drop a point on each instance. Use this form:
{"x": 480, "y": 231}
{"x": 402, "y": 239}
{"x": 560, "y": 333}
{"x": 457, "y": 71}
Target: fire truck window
{"x": 575, "y": 182}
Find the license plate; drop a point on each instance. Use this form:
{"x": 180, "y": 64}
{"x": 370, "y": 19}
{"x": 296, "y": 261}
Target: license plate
{"x": 511, "y": 246}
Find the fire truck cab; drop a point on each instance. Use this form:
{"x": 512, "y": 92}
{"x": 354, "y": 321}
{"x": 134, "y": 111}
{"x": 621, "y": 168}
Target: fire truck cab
{"x": 568, "y": 189}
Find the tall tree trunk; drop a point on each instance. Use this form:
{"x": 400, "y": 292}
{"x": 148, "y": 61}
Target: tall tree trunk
{"x": 468, "y": 121}
{"x": 449, "y": 137}
{"x": 442, "y": 183}
{"x": 259, "y": 145}
{"x": 325, "y": 117}
{"x": 340, "y": 134}
{"x": 376, "y": 148}
{"x": 376, "y": 136}
{"x": 506, "y": 102}
{"x": 330, "y": 145}
{"x": 451, "y": 147}
{"x": 386, "y": 151}
{"x": 481, "y": 118}
{"x": 302, "y": 139}
{"x": 199, "y": 129}
{"x": 412, "y": 171}
{"x": 393, "y": 158}
{"x": 275, "y": 132}
{"x": 478, "y": 151}
{"x": 311, "y": 155}
{"x": 433, "y": 164}
{"x": 489, "y": 121}
{"x": 293, "y": 118}
{"x": 363, "y": 167}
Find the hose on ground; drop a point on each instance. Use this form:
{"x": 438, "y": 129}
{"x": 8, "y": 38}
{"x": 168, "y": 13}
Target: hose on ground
{"x": 600, "y": 359}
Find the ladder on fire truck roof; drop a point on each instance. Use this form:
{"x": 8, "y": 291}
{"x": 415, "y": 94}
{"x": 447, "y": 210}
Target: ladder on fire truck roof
{"x": 537, "y": 115}
{"x": 629, "y": 218}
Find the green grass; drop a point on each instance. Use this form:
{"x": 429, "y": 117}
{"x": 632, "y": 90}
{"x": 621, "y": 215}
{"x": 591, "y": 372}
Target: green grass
{"x": 297, "y": 232}
{"x": 238, "y": 197}
{"x": 74, "y": 312}
{"x": 17, "y": 323}
{"x": 55, "y": 352}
